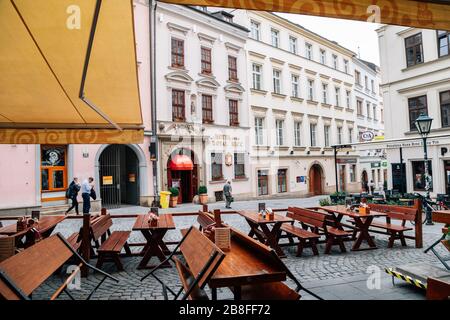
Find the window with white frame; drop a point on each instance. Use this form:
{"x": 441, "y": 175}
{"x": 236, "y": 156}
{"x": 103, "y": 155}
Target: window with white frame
{"x": 275, "y": 37}
{"x": 350, "y": 135}
{"x": 339, "y": 135}
{"x": 308, "y": 51}
{"x": 295, "y": 86}
{"x": 337, "y": 94}
{"x": 323, "y": 56}
{"x": 348, "y": 97}
{"x": 346, "y": 66}
{"x": 326, "y": 134}
{"x": 359, "y": 107}
{"x": 313, "y": 133}
{"x": 366, "y": 82}
{"x": 297, "y": 133}
{"x": 255, "y": 30}
{"x": 256, "y": 76}
{"x": 324, "y": 93}
{"x": 259, "y": 131}
{"x": 335, "y": 62}
{"x": 374, "y": 112}
{"x": 368, "y": 110}
{"x": 276, "y": 81}
{"x": 279, "y": 124}
{"x": 293, "y": 44}
{"x": 311, "y": 89}
{"x": 372, "y": 85}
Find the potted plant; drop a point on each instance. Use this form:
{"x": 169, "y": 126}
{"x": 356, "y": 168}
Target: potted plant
{"x": 174, "y": 192}
{"x": 203, "y": 194}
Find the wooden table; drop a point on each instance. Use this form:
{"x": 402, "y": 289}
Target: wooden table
{"x": 259, "y": 228}
{"x": 154, "y": 235}
{"x": 45, "y": 226}
{"x": 362, "y": 224}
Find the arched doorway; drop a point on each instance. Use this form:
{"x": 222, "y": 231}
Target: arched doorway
{"x": 119, "y": 176}
{"x": 182, "y": 173}
{"x": 315, "y": 180}
{"x": 364, "y": 181}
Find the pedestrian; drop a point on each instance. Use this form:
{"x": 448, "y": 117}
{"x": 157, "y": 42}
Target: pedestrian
{"x": 227, "y": 190}
{"x": 72, "y": 194}
{"x": 86, "y": 191}
{"x": 371, "y": 186}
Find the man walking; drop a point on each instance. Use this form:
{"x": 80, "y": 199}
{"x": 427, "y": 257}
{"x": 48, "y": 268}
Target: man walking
{"x": 74, "y": 188}
{"x": 86, "y": 188}
{"x": 227, "y": 193}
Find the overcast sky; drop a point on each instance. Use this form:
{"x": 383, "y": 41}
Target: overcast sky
{"x": 348, "y": 33}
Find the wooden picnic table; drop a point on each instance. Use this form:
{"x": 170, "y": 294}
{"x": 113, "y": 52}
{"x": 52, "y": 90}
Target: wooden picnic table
{"x": 362, "y": 223}
{"x": 259, "y": 227}
{"x": 154, "y": 235}
{"x": 45, "y": 226}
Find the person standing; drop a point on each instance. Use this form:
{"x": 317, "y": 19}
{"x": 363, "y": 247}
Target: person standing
{"x": 371, "y": 186}
{"x": 86, "y": 189}
{"x": 74, "y": 188}
{"x": 227, "y": 193}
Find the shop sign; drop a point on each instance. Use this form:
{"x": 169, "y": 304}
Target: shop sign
{"x": 367, "y": 135}
{"x": 375, "y": 165}
{"x": 226, "y": 140}
{"x": 107, "y": 180}
{"x": 384, "y": 164}
{"x": 343, "y": 161}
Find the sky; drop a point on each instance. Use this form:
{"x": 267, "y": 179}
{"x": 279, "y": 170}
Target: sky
{"x": 348, "y": 33}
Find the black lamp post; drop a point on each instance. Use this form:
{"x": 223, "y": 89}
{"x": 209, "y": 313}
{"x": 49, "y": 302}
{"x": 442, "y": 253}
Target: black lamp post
{"x": 423, "y": 125}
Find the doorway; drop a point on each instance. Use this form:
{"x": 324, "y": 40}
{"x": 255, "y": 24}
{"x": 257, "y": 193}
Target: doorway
{"x": 182, "y": 173}
{"x": 342, "y": 175}
{"x": 447, "y": 176}
{"x": 119, "y": 176}
{"x": 315, "y": 180}
{"x": 364, "y": 181}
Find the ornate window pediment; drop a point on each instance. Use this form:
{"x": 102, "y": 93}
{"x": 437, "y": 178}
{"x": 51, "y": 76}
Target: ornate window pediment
{"x": 208, "y": 83}
{"x": 234, "y": 87}
{"x": 179, "y": 76}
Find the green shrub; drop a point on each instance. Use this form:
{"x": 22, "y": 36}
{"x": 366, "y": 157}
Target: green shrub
{"x": 174, "y": 192}
{"x": 202, "y": 190}
{"x": 324, "y": 202}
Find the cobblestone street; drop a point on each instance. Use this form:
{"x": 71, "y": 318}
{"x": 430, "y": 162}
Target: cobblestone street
{"x": 334, "y": 276}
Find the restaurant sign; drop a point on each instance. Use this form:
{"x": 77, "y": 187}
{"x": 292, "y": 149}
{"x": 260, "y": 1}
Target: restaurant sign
{"x": 226, "y": 140}
{"x": 343, "y": 161}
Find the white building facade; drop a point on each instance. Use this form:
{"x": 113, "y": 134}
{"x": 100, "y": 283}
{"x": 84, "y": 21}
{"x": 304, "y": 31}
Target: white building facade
{"x": 203, "y": 122}
{"x": 415, "y": 66}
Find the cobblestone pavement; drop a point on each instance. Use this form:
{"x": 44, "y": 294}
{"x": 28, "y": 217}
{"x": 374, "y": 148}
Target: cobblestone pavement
{"x": 334, "y": 276}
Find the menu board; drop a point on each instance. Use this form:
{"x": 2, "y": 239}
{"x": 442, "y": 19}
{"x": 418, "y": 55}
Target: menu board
{"x": 223, "y": 238}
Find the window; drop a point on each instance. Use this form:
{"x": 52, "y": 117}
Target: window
{"x": 295, "y": 85}
{"x": 206, "y": 60}
{"x": 444, "y": 98}
{"x": 310, "y": 89}
{"x": 374, "y": 112}
{"x": 326, "y": 132}
{"x": 177, "y": 53}
{"x": 368, "y": 110}
{"x": 324, "y": 93}
{"x": 282, "y": 181}
{"x": 366, "y": 82}
{"x": 275, "y": 36}
{"x": 216, "y": 166}
{"x": 313, "y": 131}
{"x": 382, "y": 115}
{"x": 418, "y": 168}
{"x": 350, "y": 135}
{"x": 346, "y": 68}
{"x": 335, "y": 62}
{"x": 443, "y": 43}
{"x": 414, "y": 50}
{"x": 259, "y": 131}
{"x": 178, "y": 105}
{"x": 263, "y": 183}
{"x": 353, "y": 173}
{"x": 348, "y": 97}
{"x": 297, "y": 133}
{"x": 337, "y": 92}
{"x": 239, "y": 165}
{"x": 359, "y": 107}
{"x": 276, "y": 81}
{"x": 416, "y": 106}
{"x": 293, "y": 44}
{"x": 279, "y": 124}
{"x": 255, "y": 31}
{"x": 53, "y": 168}
{"x": 232, "y": 68}
{"x": 339, "y": 135}
{"x": 207, "y": 111}
{"x": 234, "y": 112}
{"x": 256, "y": 75}
{"x": 308, "y": 51}
{"x": 358, "y": 77}
{"x": 372, "y": 86}
{"x": 323, "y": 56}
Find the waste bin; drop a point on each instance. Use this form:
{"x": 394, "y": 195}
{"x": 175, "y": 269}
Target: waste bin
{"x": 164, "y": 199}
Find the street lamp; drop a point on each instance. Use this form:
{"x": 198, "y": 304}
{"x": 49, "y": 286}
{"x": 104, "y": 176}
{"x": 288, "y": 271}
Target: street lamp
{"x": 423, "y": 125}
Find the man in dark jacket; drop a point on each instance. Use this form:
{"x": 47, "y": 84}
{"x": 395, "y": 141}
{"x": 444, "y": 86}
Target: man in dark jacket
{"x": 227, "y": 190}
{"x": 74, "y": 188}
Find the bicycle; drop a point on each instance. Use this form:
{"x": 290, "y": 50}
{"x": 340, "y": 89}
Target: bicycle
{"x": 428, "y": 203}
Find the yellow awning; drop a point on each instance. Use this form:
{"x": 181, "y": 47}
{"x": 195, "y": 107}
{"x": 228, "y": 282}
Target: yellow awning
{"x": 421, "y": 14}
{"x": 44, "y": 55}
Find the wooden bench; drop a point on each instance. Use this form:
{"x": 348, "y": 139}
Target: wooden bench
{"x": 75, "y": 240}
{"x": 306, "y": 238}
{"x": 24, "y": 272}
{"x": 394, "y": 230}
{"x": 438, "y": 289}
{"x": 321, "y": 223}
{"x": 204, "y": 220}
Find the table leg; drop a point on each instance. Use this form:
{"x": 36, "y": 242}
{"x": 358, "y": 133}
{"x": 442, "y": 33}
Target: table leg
{"x": 153, "y": 249}
{"x": 363, "y": 225}
{"x": 272, "y": 239}
{"x": 254, "y": 230}
{"x": 213, "y": 293}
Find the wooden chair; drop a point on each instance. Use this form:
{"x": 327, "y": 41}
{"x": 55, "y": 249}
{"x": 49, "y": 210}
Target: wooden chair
{"x": 21, "y": 274}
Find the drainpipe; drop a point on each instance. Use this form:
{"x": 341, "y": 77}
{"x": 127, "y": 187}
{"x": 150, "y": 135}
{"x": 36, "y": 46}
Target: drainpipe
{"x": 154, "y": 137}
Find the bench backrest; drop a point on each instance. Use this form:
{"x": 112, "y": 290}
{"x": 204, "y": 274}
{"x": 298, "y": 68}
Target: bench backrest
{"x": 100, "y": 226}
{"x": 201, "y": 254}
{"x": 437, "y": 289}
{"x": 396, "y": 212}
{"x": 204, "y": 220}
{"x": 31, "y": 267}
{"x": 306, "y": 216}
{"x": 7, "y": 247}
